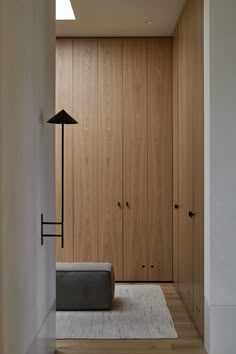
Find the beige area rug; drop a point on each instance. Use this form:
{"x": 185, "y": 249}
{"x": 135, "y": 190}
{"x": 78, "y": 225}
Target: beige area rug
{"x": 139, "y": 312}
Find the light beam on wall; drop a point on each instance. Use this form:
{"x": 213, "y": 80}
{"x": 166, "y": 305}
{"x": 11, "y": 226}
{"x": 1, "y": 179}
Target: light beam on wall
{"x": 64, "y": 10}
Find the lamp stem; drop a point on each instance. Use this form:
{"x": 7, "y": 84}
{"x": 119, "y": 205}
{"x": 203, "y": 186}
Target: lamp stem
{"x": 62, "y": 184}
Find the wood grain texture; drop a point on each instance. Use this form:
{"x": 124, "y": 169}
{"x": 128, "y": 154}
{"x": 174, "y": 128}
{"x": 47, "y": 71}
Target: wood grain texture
{"x": 110, "y": 244}
{"x": 135, "y": 158}
{"x": 189, "y": 42}
{"x": 175, "y": 163}
{"x": 188, "y": 341}
{"x": 185, "y": 92}
{"x": 198, "y": 158}
{"x": 64, "y": 101}
{"x": 160, "y": 174}
{"x": 98, "y": 141}
{"x": 85, "y": 150}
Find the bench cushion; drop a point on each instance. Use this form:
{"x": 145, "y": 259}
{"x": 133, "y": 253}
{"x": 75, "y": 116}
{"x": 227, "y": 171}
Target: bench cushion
{"x": 84, "y": 286}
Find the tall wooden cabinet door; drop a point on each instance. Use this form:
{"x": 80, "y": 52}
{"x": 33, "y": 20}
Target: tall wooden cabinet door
{"x": 198, "y": 140}
{"x": 85, "y": 149}
{"x": 135, "y": 158}
{"x": 185, "y": 166}
{"x": 64, "y": 101}
{"x": 175, "y": 164}
{"x": 160, "y": 176}
{"x": 110, "y": 153}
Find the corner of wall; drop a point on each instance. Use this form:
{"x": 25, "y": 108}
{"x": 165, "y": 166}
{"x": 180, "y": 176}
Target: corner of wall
{"x": 207, "y": 326}
{"x": 45, "y": 341}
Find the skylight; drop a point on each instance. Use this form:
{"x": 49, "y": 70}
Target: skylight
{"x": 64, "y": 10}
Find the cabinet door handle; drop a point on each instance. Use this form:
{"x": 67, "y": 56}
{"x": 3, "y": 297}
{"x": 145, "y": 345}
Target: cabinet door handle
{"x": 127, "y": 204}
{"x": 191, "y": 214}
{"x": 119, "y": 205}
{"x": 176, "y": 206}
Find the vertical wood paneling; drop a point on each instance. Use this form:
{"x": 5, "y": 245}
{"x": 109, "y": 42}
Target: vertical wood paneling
{"x": 189, "y": 42}
{"x": 110, "y": 153}
{"x": 135, "y": 158}
{"x": 160, "y": 159}
{"x": 64, "y": 101}
{"x": 175, "y": 163}
{"x": 185, "y": 84}
{"x": 198, "y": 158}
{"x": 85, "y": 149}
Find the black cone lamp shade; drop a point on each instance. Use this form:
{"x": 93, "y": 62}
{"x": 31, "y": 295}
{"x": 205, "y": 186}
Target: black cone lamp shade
{"x": 60, "y": 118}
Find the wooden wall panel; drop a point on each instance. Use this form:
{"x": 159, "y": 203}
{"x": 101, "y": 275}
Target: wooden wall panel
{"x": 85, "y": 149}
{"x": 110, "y": 202}
{"x": 198, "y": 158}
{"x": 160, "y": 159}
{"x": 189, "y": 76}
{"x": 135, "y": 158}
{"x": 175, "y": 164}
{"x": 109, "y": 156}
{"x": 185, "y": 84}
{"x": 64, "y": 101}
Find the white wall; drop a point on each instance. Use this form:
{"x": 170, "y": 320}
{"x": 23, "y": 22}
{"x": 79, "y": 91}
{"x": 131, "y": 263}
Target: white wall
{"x": 220, "y": 175}
{"x": 27, "y": 275}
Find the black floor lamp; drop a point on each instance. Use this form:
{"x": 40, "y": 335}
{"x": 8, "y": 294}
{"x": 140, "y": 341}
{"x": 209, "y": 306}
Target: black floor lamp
{"x": 60, "y": 118}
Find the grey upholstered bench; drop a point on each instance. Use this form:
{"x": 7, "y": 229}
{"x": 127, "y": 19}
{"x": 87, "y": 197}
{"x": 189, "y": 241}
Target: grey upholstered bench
{"x": 84, "y": 286}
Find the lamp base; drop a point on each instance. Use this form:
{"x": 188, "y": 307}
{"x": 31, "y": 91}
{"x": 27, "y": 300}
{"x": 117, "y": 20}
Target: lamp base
{"x": 51, "y": 235}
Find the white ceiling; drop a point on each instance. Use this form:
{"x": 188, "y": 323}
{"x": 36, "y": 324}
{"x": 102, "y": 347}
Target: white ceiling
{"x": 114, "y": 18}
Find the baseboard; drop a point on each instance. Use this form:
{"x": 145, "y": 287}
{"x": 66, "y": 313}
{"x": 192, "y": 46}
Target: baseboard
{"x": 45, "y": 341}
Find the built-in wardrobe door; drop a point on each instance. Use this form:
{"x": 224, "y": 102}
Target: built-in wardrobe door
{"x": 175, "y": 164}
{"x": 135, "y": 158}
{"x": 185, "y": 84}
{"x": 109, "y": 146}
{"x": 160, "y": 252}
{"x": 189, "y": 137}
{"x": 85, "y": 152}
{"x": 198, "y": 151}
{"x": 64, "y": 101}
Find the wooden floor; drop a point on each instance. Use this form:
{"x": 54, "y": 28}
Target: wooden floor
{"x": 188, "y": 341}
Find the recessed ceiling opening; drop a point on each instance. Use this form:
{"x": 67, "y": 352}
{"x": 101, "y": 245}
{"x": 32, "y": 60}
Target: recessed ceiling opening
{"x": 64, "y": 10}
{"x": 121, "y": 18}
